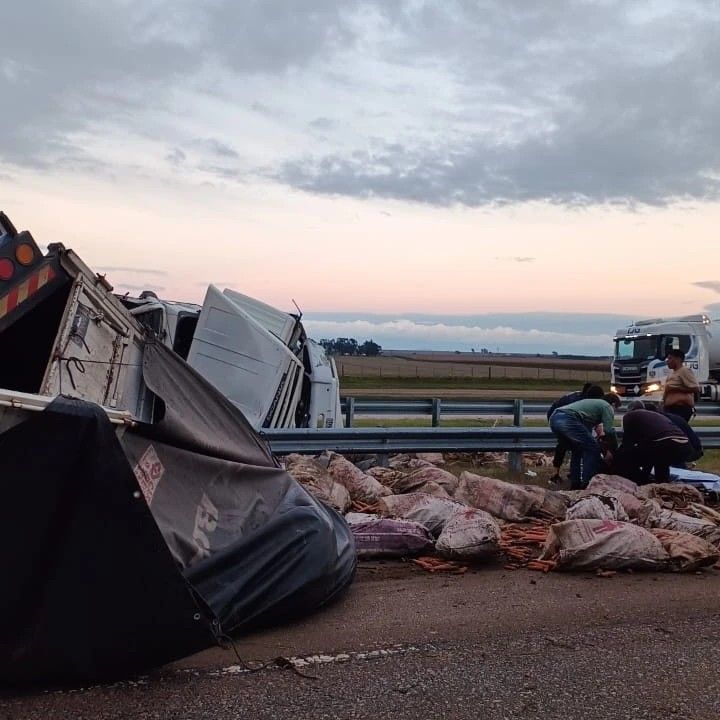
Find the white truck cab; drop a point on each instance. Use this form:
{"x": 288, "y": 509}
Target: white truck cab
{"x": 259, "y": 357}
{"x": 638, "y": 366}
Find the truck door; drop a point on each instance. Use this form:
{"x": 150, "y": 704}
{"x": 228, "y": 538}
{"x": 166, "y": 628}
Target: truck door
{"x": 245, "y": 362}
{"x": 97, "y": 354}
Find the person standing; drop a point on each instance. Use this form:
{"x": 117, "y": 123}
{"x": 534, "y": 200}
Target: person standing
{"x": 650, "y": 440}
{"x": 562, "y": 448}
{"x": 681, "y": 387}
{"x": 574, "y": 425}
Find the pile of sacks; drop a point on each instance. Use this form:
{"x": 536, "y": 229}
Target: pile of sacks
{"x": 414, "y": 505}
{"x": 615, "y": 524}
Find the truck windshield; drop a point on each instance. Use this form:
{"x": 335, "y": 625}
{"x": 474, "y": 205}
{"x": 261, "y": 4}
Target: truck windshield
{"x": 636, "y": 348}
{"x": 650, "y": 347}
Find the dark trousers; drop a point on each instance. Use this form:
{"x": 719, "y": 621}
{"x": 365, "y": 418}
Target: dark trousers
{"x": 683, "y": 411}
{"x": 635, "y": 462}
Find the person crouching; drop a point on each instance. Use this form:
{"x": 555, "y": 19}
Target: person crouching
{"x": 561, "y": 449}
{"x": 573, "y": 424}
{"x": 651, "y": 440}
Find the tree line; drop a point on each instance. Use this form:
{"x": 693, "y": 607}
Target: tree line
{"x": 350, "y": 346}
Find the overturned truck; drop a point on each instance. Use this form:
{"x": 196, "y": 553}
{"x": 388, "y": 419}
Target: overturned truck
{"x": 148, "y": 523}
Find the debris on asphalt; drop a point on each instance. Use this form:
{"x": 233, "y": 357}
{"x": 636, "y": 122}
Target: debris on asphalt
{"x": 606, "y": 544}
{"x": 673, "y": 495}
{"x": 597, "y": 507}
{"x": 362, "y": 487}
{"x": 314, "y": 477}
{"x": 687, "y": 552}
{"x": 653, "y": 515}
{"x": 433, "y": 512}
{"x": 383, "y": 537}
{"x": 434, "y": 564}
{"x": 472, "y": 519}
{"x": 471, "y": 535}
{"x": 522, "y": 543}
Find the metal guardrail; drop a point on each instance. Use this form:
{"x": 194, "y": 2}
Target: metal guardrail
{"x": 385, "y": 441}
{"x": 436, "y": 408}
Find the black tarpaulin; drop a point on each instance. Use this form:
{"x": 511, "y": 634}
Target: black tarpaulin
{"x": 124, "y": 553}
{"x": 89, "y": 589}
{"x": 251, "y": 540}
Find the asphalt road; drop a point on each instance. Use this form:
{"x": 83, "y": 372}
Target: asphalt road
{"x": 489, "y": 644}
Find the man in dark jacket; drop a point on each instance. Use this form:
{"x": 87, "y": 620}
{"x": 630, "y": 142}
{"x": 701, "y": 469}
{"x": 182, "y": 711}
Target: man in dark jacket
{"x": 696, "y": 448}
{"x": 562, "y": 447}
{"x": 650, "y": 440}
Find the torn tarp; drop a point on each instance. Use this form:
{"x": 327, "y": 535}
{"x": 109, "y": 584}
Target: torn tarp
{"x": 249, "y": 538}
{"x": 125, "y": 554}
{"x": 90, "y": 591}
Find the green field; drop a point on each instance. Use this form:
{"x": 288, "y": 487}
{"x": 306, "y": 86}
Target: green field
{"x": 448, "y": 383}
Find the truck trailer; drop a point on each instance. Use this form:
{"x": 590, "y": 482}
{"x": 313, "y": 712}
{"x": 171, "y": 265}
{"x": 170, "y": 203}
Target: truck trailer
{"x": 638, "y": 366}
{"x": 63, "y": 332}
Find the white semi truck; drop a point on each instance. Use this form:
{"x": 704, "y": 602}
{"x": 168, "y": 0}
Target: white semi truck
{"x": 64, "y": 332}
{"x": 638, "y": 366}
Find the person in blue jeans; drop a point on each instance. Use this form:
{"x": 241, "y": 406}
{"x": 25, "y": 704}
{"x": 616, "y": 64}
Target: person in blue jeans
{"x": 574, "y": 425}
{"x": 589, "y": 391}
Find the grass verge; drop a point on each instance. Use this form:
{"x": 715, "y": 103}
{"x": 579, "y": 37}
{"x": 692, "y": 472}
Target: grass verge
{"x": 448, "y": 383}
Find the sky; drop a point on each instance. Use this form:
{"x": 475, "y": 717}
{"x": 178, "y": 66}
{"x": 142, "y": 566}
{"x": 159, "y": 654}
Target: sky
{"x": 446, "y": 175}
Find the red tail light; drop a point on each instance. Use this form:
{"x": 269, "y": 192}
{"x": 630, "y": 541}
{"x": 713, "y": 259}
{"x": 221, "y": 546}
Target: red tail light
{"x": 7, "y": 269}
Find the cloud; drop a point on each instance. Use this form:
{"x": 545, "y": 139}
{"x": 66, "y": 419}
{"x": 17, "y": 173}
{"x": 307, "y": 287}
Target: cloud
{"x": 140, "y": 288}
{"x": 517, "y": 259}
{"x": 322, "y": 123}
{"x": 125, "y": 269}
{"x": 713, "y": 285}
{"x": 78, "y": 64}
{"x": 572, "y": 103}
{"x": 217, "y": 147}
{"x": 403, "y": 333}
{"x": 176, "y": 157}
{"x": 457, "y": 103}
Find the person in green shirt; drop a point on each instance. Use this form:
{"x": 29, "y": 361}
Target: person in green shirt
{"x": 574, "y": 425}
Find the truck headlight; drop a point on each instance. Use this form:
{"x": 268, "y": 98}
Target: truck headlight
{"x": 652, "y": 387}
{"x": 613, "y": 388}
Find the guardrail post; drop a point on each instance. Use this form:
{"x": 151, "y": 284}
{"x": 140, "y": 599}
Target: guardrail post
{"x": 349, "y": 411}
{"x": 436, "y": 405}
{"x": 515, "y": 462}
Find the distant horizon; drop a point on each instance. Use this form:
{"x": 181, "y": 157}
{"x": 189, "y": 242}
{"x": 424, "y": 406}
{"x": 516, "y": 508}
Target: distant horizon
{"x": 424, "y": 351}
{"x": 588, "y": 334}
